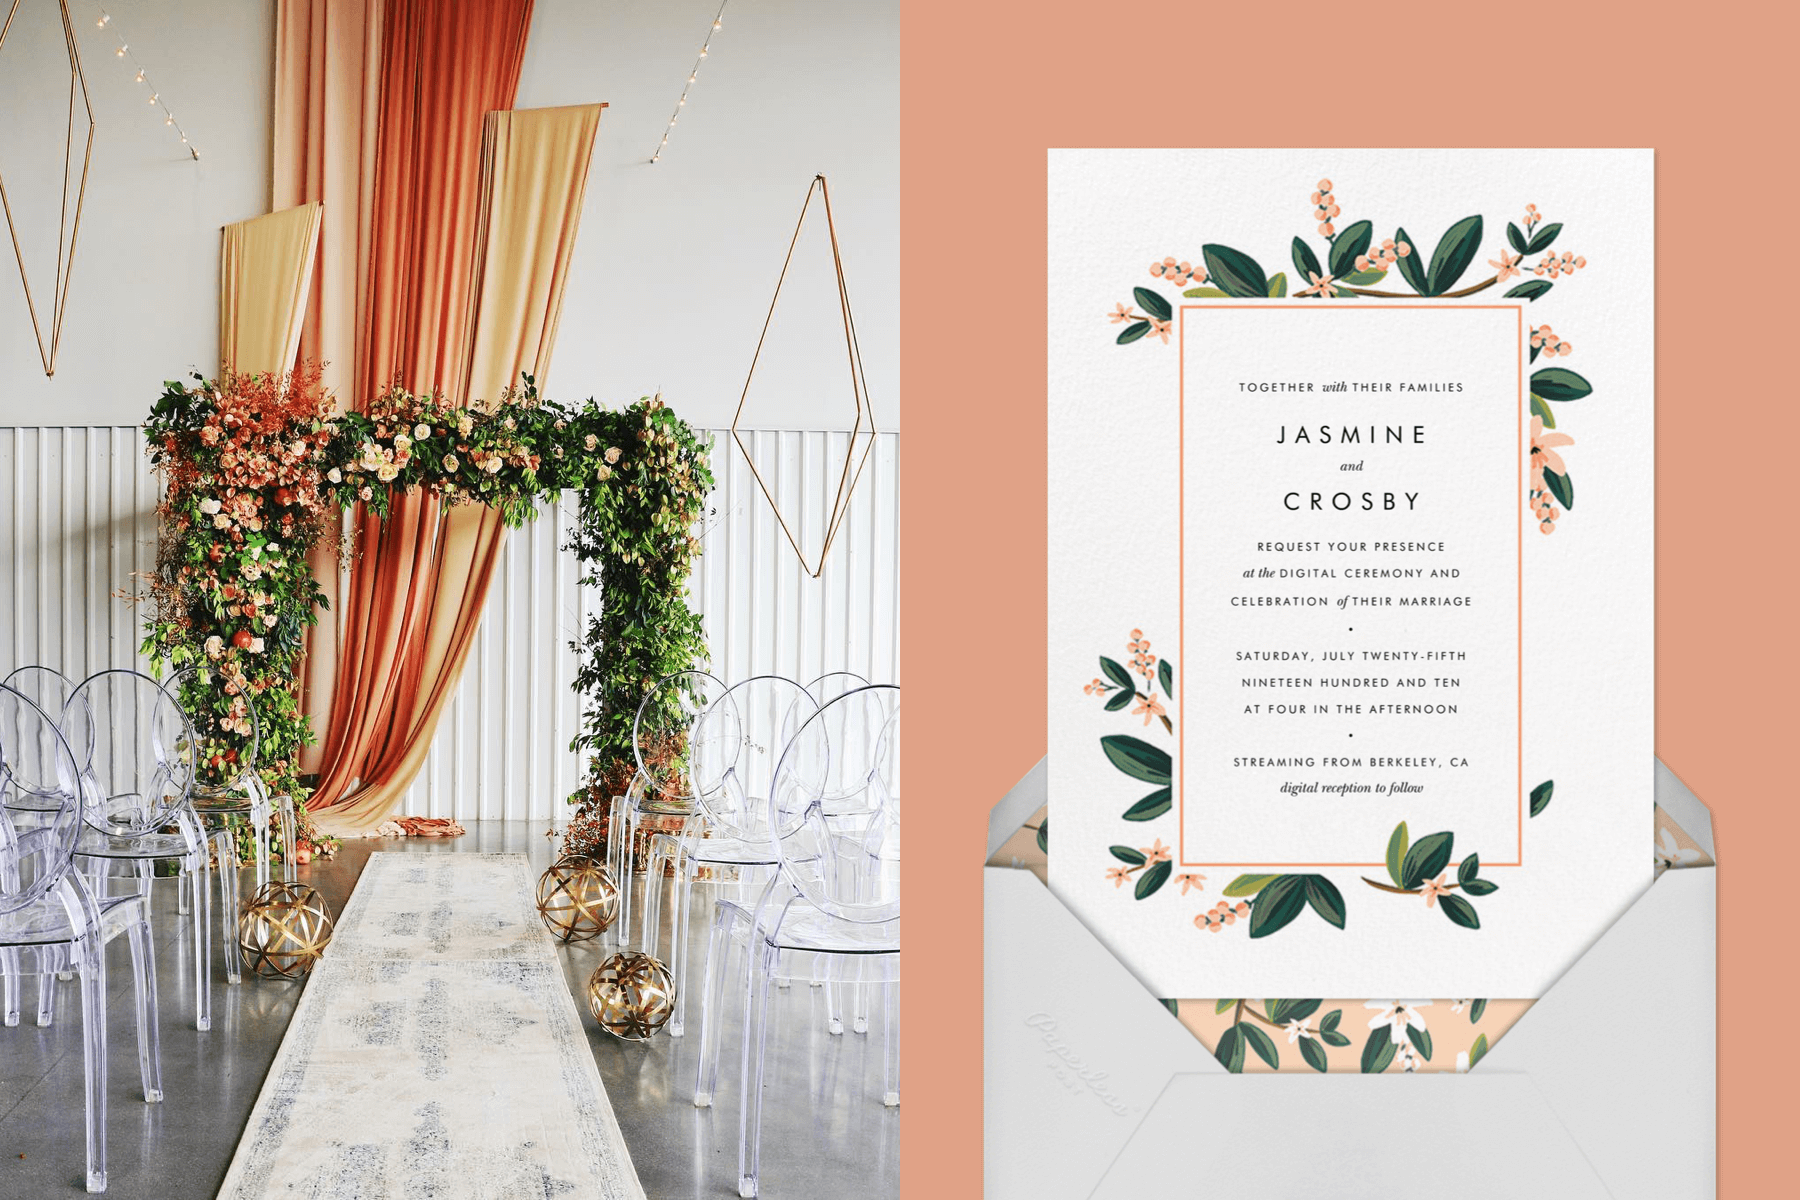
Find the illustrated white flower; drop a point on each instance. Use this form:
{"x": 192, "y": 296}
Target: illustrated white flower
{"x": 1671, "y": 853}
{"x": 1297, "y": 1030}
{"x": 421, "y": 432}
{"x": 1397, "y": 1015}
{"x": 1462, "y": 1062}
{"x": 1456, "y": 1006}
{"x": 209, "y": 506}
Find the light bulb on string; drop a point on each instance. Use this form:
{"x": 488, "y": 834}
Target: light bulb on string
{"x": 120, "y": 52}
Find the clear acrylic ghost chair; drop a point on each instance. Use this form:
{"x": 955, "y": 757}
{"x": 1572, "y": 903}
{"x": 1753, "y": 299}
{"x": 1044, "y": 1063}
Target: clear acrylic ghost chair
{"x": 663, "y": 786}
{"x": 227, "y": 783}
{"x": 138, "y": 779}
{"x": 831, "y": 912}
{"x": 732, "y": 749}
{"x": 50, "y": 919}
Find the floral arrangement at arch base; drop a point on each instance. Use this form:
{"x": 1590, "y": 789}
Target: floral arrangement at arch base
{"x": 257, "y": 466}
{"x": 1355, "y": 265}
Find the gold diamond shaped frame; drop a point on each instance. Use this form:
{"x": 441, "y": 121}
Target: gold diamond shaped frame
{"x": 65, "y": 248}
{"x": 864, "y": 428}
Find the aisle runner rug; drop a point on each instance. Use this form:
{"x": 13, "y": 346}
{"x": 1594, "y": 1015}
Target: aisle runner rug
{"x": 436, "y": 1052}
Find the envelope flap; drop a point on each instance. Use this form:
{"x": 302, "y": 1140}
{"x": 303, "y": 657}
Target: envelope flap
{"x": 1686, "y": 809}
{"x": 1015, "y": 808}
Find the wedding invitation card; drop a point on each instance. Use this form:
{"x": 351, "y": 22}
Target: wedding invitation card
{"x": 1351, "y": 627}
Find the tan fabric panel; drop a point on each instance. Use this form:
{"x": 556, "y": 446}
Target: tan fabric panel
{"x": 265, "y": 273}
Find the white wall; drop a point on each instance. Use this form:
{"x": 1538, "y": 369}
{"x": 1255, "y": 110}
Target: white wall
{"x": 674, "y": 265}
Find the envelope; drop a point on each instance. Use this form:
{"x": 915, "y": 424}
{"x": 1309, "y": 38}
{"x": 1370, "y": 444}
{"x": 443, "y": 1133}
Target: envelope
{"x": 1605, "y": 1087}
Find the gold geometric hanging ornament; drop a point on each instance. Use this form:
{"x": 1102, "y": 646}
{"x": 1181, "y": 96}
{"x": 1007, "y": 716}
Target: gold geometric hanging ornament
{"x": 862, "y": 431}
{"x": 68, "y": 226}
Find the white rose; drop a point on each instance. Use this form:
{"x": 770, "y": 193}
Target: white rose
{"x": 612, "y": 454}
{"x": 387, "y": 472}
{"x": 421, "y": 432}
{"x": 402, "y": 442}
{"x": 335, "y": 475}
{"x": 221, "y": 521}
{"x": 297, "y": 449}
{"x": 492, "y": 466}
{"x": 590, "y": 441}
{"x": 215, "y": 646}
{"x": 256, "y": 645}
{"x": 209, "y": 506}
{"x": 269, "y": 621}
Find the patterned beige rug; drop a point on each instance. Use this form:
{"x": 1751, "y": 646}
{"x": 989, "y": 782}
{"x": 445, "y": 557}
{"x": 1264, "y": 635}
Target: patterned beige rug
{"x": 436, "y": 1052}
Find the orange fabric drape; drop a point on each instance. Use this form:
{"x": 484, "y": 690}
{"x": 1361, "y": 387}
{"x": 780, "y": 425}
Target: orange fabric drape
{"x": 441, "y": 66}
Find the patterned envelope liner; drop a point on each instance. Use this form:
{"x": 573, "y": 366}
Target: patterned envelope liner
{"x": 1345, "y": 1035}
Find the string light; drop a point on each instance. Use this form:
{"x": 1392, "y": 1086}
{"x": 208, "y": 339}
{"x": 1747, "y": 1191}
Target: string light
{"x": 693, "y": 76}
{"x": 123, "y": 50}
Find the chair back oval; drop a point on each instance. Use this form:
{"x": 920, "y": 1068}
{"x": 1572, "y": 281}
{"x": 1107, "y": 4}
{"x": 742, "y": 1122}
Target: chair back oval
{"x": 746, "y": 725}
{"x": 227, "y": 734}
{"x": 672, "y": 766}
{"x": 840, "y": 862}
{"x": 34, "y": 859}
{"x": 50, "y": 690}
{"x": 142, "y": 766}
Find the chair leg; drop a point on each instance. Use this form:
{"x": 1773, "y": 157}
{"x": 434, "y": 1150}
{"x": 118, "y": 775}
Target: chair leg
{"x": 229, "y": 871}
{"x": 202, "y": 943}
{"x": 756, "y": 1029}
{"x": 93, "y": 1030}
{"x": 650, "y": 935}
{"x": 615, "y": 866}
{"x": 834, "y": 1013}
{"x": 46, "y": 1012}
{"x": 260, "y": 829}
{"x": 890, "y": 1066}
{"x": 719, "y": 954}
{"x": 143, "y": 965}
{"x": 859, "y": 1001}
{"x": 678, "y": 967}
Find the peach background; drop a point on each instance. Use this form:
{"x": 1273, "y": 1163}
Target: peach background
{"x": 986, "y": 88}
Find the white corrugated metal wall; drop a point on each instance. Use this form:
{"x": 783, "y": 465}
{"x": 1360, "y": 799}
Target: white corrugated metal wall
{"x": 76, "y": 520}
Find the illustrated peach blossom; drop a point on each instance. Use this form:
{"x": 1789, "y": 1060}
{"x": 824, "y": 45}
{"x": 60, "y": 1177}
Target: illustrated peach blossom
{"x": 1548, "y": 343}
{"x": 1096, "y": 688}
{"x": 1191, "y": 879}
{"x": 1160, "y": 329}
{"x": 1432, "y": 890}
{"x": 1506, "y": 267}
{"x": 1148, "y": 707}
{"x": 1118, "y": 875}
{"x": 1122, "y": 313}
{"x": 1543, "y": 448}
{"x": 1380, "y": 258}
{"x": 1322, "y": 285}
{"x": 1177, "y": 273}
{"x": 1156, "y": 853}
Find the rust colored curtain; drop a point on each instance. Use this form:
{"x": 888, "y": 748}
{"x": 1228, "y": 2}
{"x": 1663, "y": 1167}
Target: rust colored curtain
{"x": 439, "y": 67}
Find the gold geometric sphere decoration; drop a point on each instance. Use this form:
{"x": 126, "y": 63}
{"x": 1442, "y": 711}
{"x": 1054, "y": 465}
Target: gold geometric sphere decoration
{"x": 68, "y": 222}
{"x": 577, "y": 898}
{"x": 284, "y": 929}
{"x": 631, "y": 995}
{"x": 862, "y": 431}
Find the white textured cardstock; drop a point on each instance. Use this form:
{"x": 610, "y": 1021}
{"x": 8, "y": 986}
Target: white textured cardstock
{"x": 1301, "y": 590}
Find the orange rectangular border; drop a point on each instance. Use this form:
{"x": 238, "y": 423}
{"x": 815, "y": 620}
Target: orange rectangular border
{"x": 1181, "y": 557}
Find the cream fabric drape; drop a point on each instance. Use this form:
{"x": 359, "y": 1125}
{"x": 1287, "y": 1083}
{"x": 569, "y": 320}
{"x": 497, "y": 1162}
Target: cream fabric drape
{"x": 265, "y": 273}
{"x": 534, "y": 166}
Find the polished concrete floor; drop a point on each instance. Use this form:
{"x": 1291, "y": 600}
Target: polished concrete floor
{"x": 825, "y": 1132}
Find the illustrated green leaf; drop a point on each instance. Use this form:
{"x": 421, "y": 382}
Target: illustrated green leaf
{"x": 1396, "y": 853}
{"x": 1350, "y": 244}
{"x": 1278, "y": 285}
{"x": 1230, "y": 1050}
{"x": 1559, "y": 384}
{"x": 1220, "y": 1006}
{"x": 1481, "y": 887}
{"x": 1119, "y": 700}
{"x": 1249, "y": 885}
{"x": 1138, "y": 758}
{"x": 1126, "y": 854}
{"x": 1165, "y": 675}
{"x": 1367, "y": 278}
{"x": 1421, "y": 1040}
{"x": 1455, "y": 251}
{"x": 1516, "y": 237}
{"x": 1531, "y": 289}
{"x": 1174, "y": 1006}
{"x": 1133, "y": 332}
{"x": 1275, "y": 1010}
{"x": 1152, "y": 806}
{"x": 1476, "y": 1008}
{"x": 1277, "y": 905}
{"x": 1313, "y": 1053}
{"x": 1154, "y": 878}
{"x": 1305, "y": 261}
{"x": 1299, "y": 1010}
{"x": 1468, "y": 869}
{"x": 1043, "y": 835}
{"x": 1427, "y": 859}
{"x": 1479, "y": 1050}
{"x": 1540, "y": 795}
{"x": 1205, "y": 293}
{"x": 1115, "y": 672}
{"x": 1334, "y": 1038}
{"x": 1410, "y": 268}
{"x": 1153, "y": 303}
{"x": 1543, "y": 411}
{"x": 1329, "y": 1021}
{"x": 1262, "y": 1044}
{"x": 1561, "y": 486}
{"x": 1378, "y": 1051}
{"x": 1460, "y": 911}
{"x": 1325, "y": 899}
{"x": 1540, "y": 241}
{"x": 1235, "y": 272}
